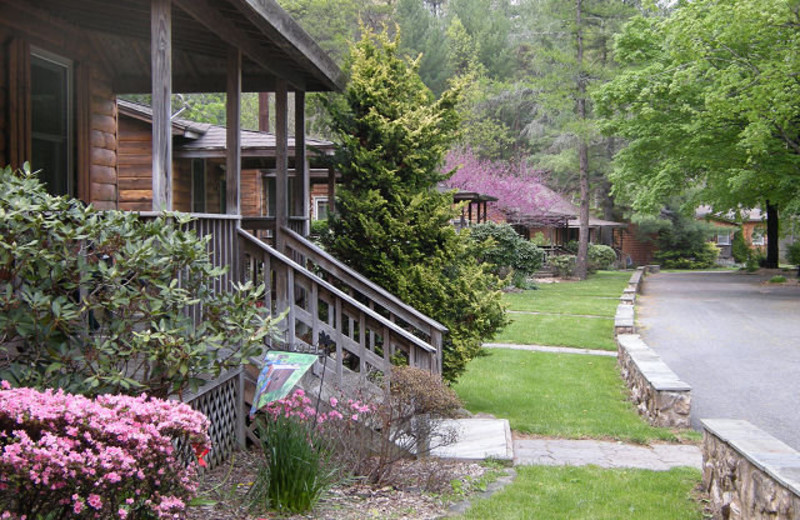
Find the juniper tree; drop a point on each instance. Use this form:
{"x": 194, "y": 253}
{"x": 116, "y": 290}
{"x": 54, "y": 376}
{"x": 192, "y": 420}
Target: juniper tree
{"x": 391, "y": 223}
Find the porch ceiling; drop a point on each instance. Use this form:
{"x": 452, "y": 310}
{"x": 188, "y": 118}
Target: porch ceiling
{"x": 273, "y": 45}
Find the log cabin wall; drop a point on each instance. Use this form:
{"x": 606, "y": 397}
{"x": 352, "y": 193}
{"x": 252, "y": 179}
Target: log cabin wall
{"x": 3, "y": 96}
{"x": 95, "y": 114}
{"x": 135, "y": 165}
{"x": 182, "y": 185}
{"x": 252, "y": 193}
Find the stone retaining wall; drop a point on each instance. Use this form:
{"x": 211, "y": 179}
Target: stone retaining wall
{"x": 658, "y": 393}
{"x": 749, "y": 474}
{"x": 624, "y": 317}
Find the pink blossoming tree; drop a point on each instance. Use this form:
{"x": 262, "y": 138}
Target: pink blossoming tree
{"x": 518, "y": 187}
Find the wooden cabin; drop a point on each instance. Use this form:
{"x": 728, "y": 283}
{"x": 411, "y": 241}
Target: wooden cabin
{"x": 199, "y": 155}
{"x": 62, "y": 66}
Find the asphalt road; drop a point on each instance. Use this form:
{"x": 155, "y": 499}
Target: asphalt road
{"x": 735, "y": 339}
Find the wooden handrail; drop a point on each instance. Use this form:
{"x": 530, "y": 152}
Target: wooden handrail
{"x": 394, "y": 328}
{"x": 366, "y": 287}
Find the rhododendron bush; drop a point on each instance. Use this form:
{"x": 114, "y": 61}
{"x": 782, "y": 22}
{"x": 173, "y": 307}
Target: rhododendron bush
{"x": 68, "y": 456}
{"x": 100, "y": 302}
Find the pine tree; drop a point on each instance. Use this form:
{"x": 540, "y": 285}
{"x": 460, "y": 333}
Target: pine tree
{"x": 391, "y": 223}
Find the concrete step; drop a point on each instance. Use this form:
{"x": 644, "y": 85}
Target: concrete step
{"x": 478, "y": 439}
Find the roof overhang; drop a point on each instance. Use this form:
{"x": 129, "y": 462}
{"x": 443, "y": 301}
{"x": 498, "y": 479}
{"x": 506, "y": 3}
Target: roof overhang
{"x": 273, "y": 46}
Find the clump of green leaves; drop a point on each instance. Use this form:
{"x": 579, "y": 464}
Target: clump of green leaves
{"x": 777, "y": 279}
{"x": 793, "y": 253}
{"x": 391, "y": 222}
{"x": 681, "y": 241}
{"x": 563, "y": 265}
{"x": 505, "y": 251}
{"x": 102, "y": 302}
{"x": 601, "y": 257}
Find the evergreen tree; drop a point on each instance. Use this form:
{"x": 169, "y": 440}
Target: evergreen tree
{"x": 391, "y": 223}
{"x": 422, "y": 33}
{"x": 572, "y": 42}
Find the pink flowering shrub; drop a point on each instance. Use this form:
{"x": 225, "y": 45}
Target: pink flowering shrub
{"x": 68, "y": 456}
{"x": 301, "y": 456}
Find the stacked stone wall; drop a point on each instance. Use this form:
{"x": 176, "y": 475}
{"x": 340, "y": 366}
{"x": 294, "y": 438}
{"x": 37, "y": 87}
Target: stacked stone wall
{"x": 749, "y": 474}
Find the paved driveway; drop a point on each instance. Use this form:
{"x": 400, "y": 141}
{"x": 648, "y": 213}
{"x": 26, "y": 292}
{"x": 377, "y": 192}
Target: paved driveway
{"x": 733, "y": 338}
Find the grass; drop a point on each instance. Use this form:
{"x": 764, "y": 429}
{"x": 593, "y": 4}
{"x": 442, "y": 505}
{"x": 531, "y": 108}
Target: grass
{"x": 597, "y": 296}
{"x": 565, "y": 306}
{"x": 560, "y": 331}
{"x": 578, "y": 493}
{"x": 558, "y": 395}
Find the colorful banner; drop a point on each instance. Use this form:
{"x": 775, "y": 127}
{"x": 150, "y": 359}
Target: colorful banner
{"x": 281, "y": 371}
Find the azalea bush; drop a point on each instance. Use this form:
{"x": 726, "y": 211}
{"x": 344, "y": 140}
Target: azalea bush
{"x": 102, "y": 301}
{"x": 68, "y": 456}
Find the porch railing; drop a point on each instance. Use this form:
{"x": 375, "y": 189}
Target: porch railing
{"x": 362, "y": 339}
{"x": 223, "y": 248}
{"x": 363, "y": 290}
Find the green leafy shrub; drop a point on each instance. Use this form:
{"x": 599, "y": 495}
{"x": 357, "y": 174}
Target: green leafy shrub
{"x": 601, "y": 257}
{"x": 391, "y": 223}
{"x": 571, "y": 247}
{"x": 504, "y": 250}
{"x": 563, "y": 265}
{"x": 319, "y": 227}
{"x": 539, "y": 240}
{"x": 793, "y": 253}
{"x": 701, "y": 259}
{"x": 777, "y": 279}
{"x": 90, "y": 301}
{"x": 739, "y": 249}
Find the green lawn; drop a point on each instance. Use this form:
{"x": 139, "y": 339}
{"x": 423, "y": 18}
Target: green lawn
{"x": 559, "y": 395}
{"x": 564, "y": 306}
{"x": 598, "y": 295}
{"x": 559, "y": 330}
{"x": 591, "y": 493}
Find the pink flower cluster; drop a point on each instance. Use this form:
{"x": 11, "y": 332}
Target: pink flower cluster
{"x": 109, "y": 457}
{"x": 299, "y": 405}
{"x": 519, "y": 189}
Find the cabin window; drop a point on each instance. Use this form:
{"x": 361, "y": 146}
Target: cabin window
{"x": 199, "y": 186}
{"x": 321, "y": 208}
{"x": 758, "y": 238}
{"x": 52, "y": 121}
{"x": 269, "y": 197}
{"x": 723, "y": 239}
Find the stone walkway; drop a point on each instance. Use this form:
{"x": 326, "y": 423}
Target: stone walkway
{"x": 559, "y": 452}
{"x": 553, "y": 350}
{"x": 482, "y": 438}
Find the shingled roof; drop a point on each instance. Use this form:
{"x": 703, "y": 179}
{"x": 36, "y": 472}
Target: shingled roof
{"x": 205, "y": 140}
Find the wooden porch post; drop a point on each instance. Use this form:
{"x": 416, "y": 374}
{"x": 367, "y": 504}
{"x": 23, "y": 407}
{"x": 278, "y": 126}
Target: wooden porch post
{"x": 233, "y": 153}
{"x": 233, "y": 157}
{"x": 161, "y": 63}
{"x": 263, "y": 111}
{"x": 281, "y": 163}
{"x": 331, "y": 190}
{"x": 302, "y": 179}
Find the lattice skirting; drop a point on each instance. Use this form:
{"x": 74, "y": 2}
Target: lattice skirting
{"x": 222, "y": 402}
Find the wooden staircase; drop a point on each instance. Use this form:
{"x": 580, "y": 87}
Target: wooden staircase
{"x": 369, "y": 327}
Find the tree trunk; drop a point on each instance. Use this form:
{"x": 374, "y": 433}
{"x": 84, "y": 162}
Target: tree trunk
{"x": 772, "y": 236}
{"x": 581, "y": 266}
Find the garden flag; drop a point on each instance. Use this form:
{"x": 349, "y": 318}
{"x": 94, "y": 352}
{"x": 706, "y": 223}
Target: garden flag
{"x": 281, "y": 371}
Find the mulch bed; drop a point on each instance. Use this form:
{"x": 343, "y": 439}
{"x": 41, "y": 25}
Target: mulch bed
{"x": 419, "y": 489}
